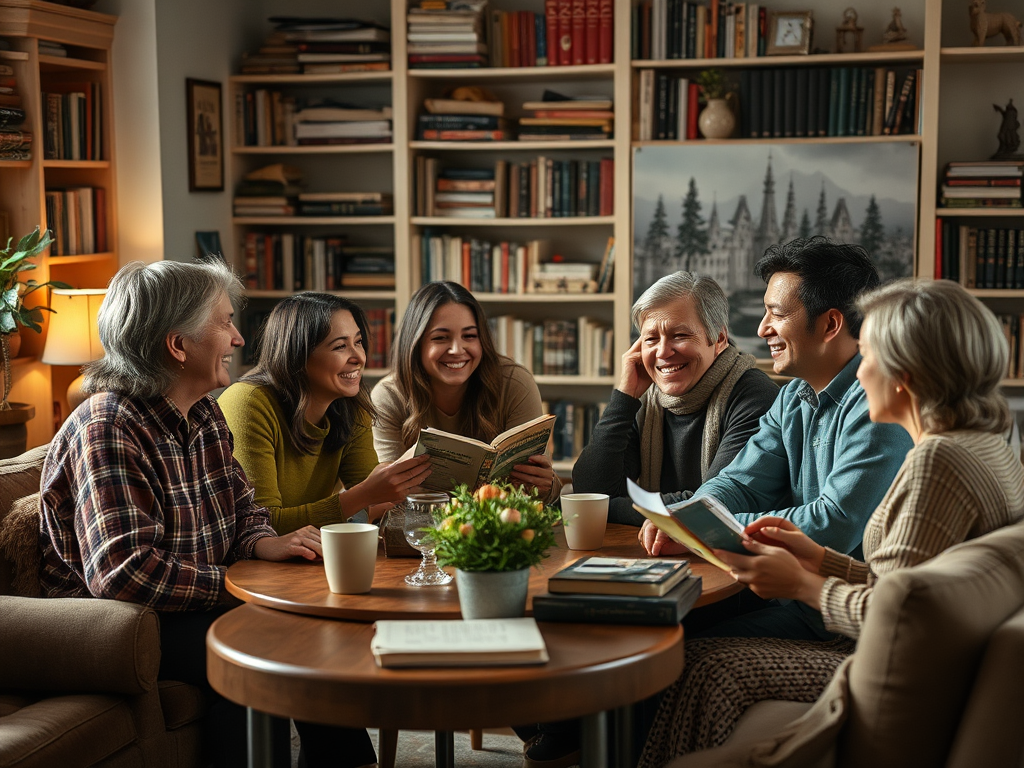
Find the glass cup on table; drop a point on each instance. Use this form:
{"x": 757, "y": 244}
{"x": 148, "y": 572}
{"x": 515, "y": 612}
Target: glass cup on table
{"x": 418, "y": 520}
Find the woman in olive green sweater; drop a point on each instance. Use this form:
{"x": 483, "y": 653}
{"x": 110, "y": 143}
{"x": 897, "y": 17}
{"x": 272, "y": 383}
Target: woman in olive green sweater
{"x": 301, "y": 419}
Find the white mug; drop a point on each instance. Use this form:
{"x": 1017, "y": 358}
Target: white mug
{"x": 350, "y": 553}
{"x": 585, "y": 516}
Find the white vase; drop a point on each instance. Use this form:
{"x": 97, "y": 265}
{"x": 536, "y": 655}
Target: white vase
{"x": 493, "y": 594}
{"x": 717, "y": 120}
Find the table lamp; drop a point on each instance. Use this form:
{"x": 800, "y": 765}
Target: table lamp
{"x": 74, "y": 337}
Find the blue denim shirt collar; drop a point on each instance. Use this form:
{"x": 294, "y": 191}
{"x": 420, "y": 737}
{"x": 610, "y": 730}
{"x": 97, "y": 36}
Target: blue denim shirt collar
{"x": 836, "y": 389}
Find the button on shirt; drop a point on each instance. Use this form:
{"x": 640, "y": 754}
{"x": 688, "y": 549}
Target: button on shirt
{"x": 816, "y": 459}
{"x": 140, "y": 504}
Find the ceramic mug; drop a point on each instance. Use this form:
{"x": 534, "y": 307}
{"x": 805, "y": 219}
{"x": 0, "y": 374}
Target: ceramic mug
{"x": 585, "y": 516}
{"x": 350, "y": 553}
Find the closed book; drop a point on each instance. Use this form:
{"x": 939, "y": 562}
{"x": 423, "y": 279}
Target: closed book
{"x": 754, "y": 102}
{"x": 579, "y": 32}
{"x": 1018, "y": 274}
{"x": 833, "y": 103}
{"x": 1011, "y": 257}
{"x": 767, "y": 102}
{"x": 802, "y": 85}
{"x": 779, "y": 105}
{"x": 666, "y": 610}
{"x": 460, "y": 122}
{"x": 813, "y": 88}
{"x": 745, "y": 95}
{"x": 605, "y": 26}
{"x": 447, "y": 643}
{"x": 843, "y": 102}
{"x": 856, "y": 78}
{"x": 619, "y": 576}
{"x": 789, "y": 103}
{"x": 987, "y": 255}
{"x": 431, "y": 134}
{"x": 1000, "y": 248}
{"x": 462, "y": 107}
{"x": 824, "y": 90}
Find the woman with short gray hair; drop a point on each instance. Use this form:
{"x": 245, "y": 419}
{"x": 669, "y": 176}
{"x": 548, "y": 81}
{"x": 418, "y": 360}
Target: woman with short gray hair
{"x": 686, "y": 402}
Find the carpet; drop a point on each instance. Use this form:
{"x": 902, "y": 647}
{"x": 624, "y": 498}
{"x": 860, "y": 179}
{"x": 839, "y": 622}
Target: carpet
{"x": 502, "y": 749}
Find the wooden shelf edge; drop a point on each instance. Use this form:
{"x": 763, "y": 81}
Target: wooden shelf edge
{"x": 983, "y": 212}
{"x": 15, "y": 163}
{"x": 997, "y": 293}
{"x": 769, "y": 61}
{"x": 361, "y": 294}
{"x": 911, "y": 138}
{"x": 558, "y": 380}
{"x": 988, "y": 55}
{"x": 576, "y": 70}
{"x": 442, "y": 221}
{"x": 66, "y": 62}
{"x": 543, "y": 298}
{"x": 302, "y": 79}
{"x": 82, "y": 164}
{"x": 511, "y": 146}
{"x": 84, "y": 258}
{"x": 316, "y": 149}
{"x": 298, "y": 221}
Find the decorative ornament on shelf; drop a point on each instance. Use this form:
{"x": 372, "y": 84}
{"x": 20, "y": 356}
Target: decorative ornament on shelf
{"x": 716, "y": 120}
{"x": 1009, "y": 136}
{"x": 985, "y": 25}
{"x": 894, "y": 36}
{"x": 493, "y": 537}
{"x": 849, "y": 26}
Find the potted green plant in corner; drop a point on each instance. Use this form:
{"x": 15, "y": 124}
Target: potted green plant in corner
{"x": 14, "y": 313}
{"x": 716, "y": 121}
{"x": 493, "y": 537}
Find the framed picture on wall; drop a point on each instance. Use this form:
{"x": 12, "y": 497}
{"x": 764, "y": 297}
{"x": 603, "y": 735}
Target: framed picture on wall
{"x": 208, "y": 246}
{"x": 789, "y": 32}
{"x": 205, "y": 136}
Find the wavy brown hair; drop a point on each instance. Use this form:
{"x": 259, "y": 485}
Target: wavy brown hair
{"x": 479, "y": 415}
{"x": 296, "y": 326}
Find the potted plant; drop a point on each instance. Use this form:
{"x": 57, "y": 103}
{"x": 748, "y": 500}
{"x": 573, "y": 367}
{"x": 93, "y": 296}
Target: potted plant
{"x": 716, "y": 121}
{"x": 493, "y": 537}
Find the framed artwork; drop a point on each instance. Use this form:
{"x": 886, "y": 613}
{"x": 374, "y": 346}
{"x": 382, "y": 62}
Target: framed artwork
{"x": 208, "y": 246}
{"x": 789, "y": 32}
{"x": 716, "y": 209}
{"x": 205, "y": 136}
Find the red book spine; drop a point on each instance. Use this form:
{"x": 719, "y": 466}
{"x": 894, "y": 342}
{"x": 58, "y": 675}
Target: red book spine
{"x": 99, "y": 210}
{"x": 504, "y": 266}
{"x": 565, "y": 32}
{"x": 606, "y": 10}
{"x": 579, "y": 31}
{"x": 528, "y": 57}
{"x": 531, "y": 38}
{"x": 692, "y": 108}
{"x": 938, "y": 249}
{"x": 268, "y": 262}
{"x": 593, "y": 18}
{"x": 606, "y": 188}
{"x": 251, "y": 262}
{"x": 711, "y": 38}
{"x": 467, "y": 262}
{"x": 514, "y": 59}
{"x": 551, "y": 14}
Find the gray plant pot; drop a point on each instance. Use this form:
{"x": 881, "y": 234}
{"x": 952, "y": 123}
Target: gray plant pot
{"x": 492, "y": 594}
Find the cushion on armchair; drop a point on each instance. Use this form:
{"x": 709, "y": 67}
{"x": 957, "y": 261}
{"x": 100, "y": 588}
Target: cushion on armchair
{"x": 19, "y": 477}
{"x": 73, "y": 645}
{"x": 19, "y": 546}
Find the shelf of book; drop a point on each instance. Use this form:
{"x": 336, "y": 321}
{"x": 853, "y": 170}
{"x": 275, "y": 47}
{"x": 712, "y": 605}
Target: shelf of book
{"x": 1012, "y": 383}
{"x": 543, "y": 379}
{"x": 348, "y": 293}
{"x": 912, "y": 138}
{"x": 567, "y": 221}
{"x": 543, "y": 298}
{"x": 298, "y": 221}
{"x": 340, "y": 78}
{"x": 50, "y": 63}
{"x": 81, "y": 164}
{"x": 997, "y": 293}
{"x": 572, "y": 72}
{"x": 315, "y": 149}
{"x": 505, "y": 146}
{"x": 888, "y": 57}
{"x": 980, "y": 211}
{"x": 992, "y": 55}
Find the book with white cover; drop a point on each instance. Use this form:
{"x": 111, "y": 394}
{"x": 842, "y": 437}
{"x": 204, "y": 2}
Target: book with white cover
{"x": 446, "y": 643}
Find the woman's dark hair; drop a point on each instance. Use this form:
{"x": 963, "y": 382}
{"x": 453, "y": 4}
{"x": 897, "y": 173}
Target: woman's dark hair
{"x": 296, "y": 326}
{"x": 832, "y": 275}
{"x": 479, "y": 415}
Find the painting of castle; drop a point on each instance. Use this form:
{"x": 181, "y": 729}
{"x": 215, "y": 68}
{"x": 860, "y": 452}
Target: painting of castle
{"x": 715, "y": 209}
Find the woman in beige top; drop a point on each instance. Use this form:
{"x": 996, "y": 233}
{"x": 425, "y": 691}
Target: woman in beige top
{"x": 933, "y": 357}
{"x": 447, "y": 374}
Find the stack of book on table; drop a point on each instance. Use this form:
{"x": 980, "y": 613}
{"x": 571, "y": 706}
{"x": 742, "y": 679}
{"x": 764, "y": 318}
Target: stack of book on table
{"x": 334, "y": 46}
{"x": 558, "y": 118}
{"x": 447, "y": 643}
{"x": 462, "y": 120}
{"x": 447, "y": 35}
{"x": 620, "y": 591}
{"x": 982, "y": 184}
{"x": 336, "y": 123}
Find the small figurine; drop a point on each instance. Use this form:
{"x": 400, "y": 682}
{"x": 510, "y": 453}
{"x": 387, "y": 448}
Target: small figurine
{"x": 849, "y": 25}
{"x": 985, "y": 25}
{"x": 895, "y": 32}
{"x": 1009, "y": 139}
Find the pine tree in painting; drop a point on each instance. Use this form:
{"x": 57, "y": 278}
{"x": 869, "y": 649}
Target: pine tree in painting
{"x": 656, "y": 242}
{"x": 692, "y": 234}
{"x": 821, "y": 217}
{"x": 805, "y": 226}
{"x": 872, "y": 233}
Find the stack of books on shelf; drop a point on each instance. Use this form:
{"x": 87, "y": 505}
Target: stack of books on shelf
{"x": 465, "y": 193}
{"x": 982, "y": 184}
{"x": 290, "y": 262}
{"x": 77, "y": 218}
{"x": 620, "y": 591}
{"x": 277, "y": 56}
{"x": 574, "y": 426}
{"x": 337, "y": 123}
{"x": 667, "y": 107}
{"x": 72, "y": 121}
{"x": 447, "y": 35}
{"x": 15, "y": 144}
{"x": 334, "y": 46}
{"x": 678, "y": 29}
{"x": 51, "y": 48}
{"x": 980, "y": 257}
{"x": 346, "y": 204}
{"x": 562, "y": 119}
{"x": 268, "y": 191}
{"x": 462, "y": 120}
{"x": 580, "y": 347}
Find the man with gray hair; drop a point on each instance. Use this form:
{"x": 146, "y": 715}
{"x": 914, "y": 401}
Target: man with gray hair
{"x": 686, "y": 402}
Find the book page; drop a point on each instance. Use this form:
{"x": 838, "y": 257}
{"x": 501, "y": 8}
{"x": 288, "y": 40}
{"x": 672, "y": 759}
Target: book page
{"x": 448, "y": 636}
{"x": 454, "y": 460}
{"x": 516, "y": 445}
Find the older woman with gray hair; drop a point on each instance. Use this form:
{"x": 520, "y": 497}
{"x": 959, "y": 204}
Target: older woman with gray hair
{"x": 141, "y": 497}
{"x": 686, "y": 402}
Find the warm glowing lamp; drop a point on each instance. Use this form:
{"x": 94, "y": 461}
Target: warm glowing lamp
{"x": 74, "y": 335}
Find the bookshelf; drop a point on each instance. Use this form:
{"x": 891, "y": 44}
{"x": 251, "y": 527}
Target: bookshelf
{"x": 87, "y": 37}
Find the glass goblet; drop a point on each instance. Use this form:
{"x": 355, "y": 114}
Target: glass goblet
{"x": 419, "y": 519}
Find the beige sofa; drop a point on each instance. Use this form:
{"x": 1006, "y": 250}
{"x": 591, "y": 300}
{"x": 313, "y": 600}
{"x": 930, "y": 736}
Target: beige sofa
{"x": 78, "y": 677}
{"x": 937, "y": 678}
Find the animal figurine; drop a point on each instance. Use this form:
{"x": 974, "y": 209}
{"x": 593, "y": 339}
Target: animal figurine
{"x": 985, "y": 25}
{"x": 895, "y": 32}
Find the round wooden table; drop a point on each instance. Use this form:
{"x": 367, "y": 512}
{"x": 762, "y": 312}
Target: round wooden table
{"x": 301, "y": 587}
{"x": 308, "y": 668}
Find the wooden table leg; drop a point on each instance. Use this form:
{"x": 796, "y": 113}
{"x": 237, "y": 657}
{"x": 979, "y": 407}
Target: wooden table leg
{"x": 257, "y": 726}
{"x": 623, "y": 741}
{"x": 476, "y": 739}
{"x": 387, "y": 748}
{"x": 444, "y": 749}
{"x": 594, "y": 741}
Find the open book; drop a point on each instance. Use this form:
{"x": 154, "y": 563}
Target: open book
{"x": 457, "y": 460}
{"x": 701, "y": 524}
{"x": 447, "y": 643}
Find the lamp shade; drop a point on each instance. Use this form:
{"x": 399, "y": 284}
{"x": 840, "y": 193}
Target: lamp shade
{"x": 74, "y": 337}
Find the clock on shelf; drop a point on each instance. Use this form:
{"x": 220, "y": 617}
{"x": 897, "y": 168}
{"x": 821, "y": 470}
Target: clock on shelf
{"x": 789, "y": 32}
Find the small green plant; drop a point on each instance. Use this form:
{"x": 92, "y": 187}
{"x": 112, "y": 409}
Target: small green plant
{"x": 712, "y": 83}
{"x": 497, "y": 528}
{"x": 13, "y": 291}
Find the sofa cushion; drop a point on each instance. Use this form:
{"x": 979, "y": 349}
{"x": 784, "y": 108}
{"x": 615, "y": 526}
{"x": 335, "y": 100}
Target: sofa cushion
{"x": 181, "y": 703}
{"x": 82, "y": 729}
{"x": 19, "y": 477}
{"x": 19, "y": 547}
{"x": 923, "y": 640}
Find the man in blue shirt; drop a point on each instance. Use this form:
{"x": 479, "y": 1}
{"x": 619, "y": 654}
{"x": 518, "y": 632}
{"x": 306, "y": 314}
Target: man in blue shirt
{"x": 816, "y": 459}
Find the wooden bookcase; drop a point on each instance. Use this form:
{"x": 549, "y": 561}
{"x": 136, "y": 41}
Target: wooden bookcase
{"x": 23, "y": 184}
